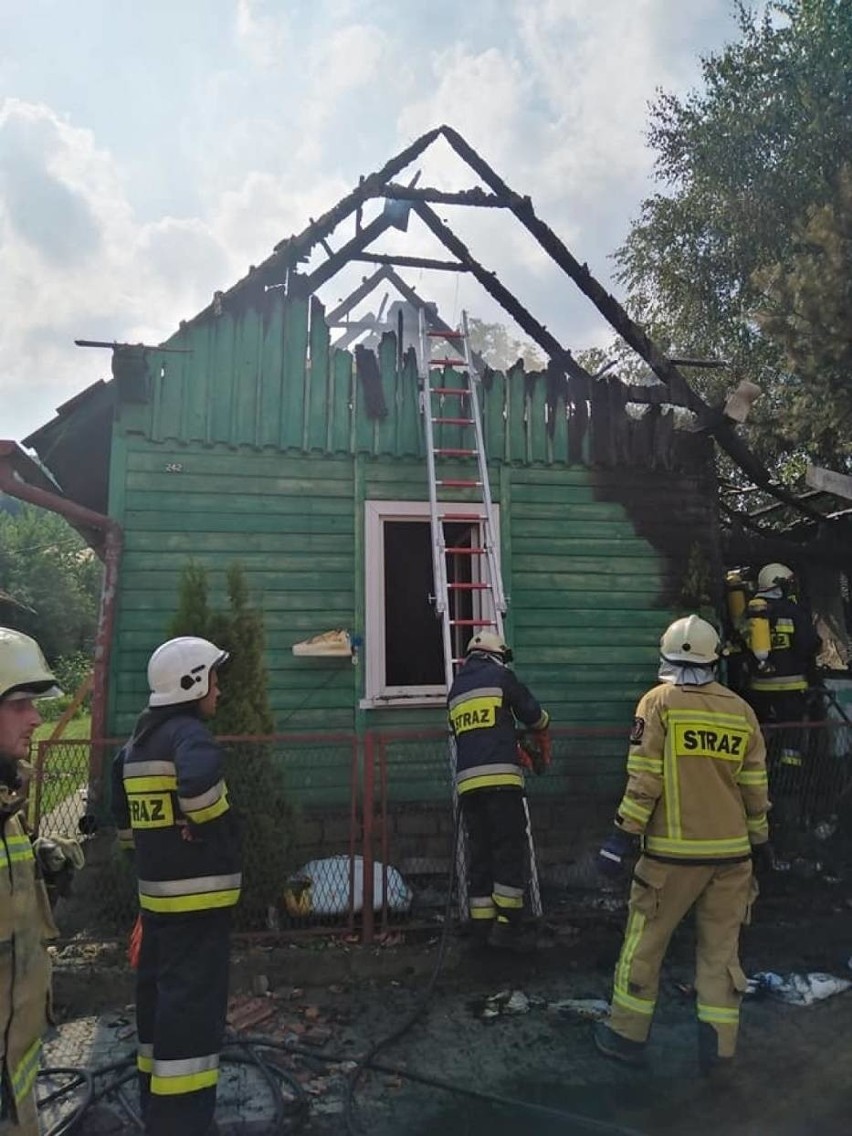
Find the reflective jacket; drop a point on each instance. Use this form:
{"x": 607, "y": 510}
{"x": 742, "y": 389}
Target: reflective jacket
{"x": 26, "y": 926}
{"x": 484, "y": 701}
{"x": 793, "y": 646}
{"x": 170, "y": 796}
{"x": 696, "y": 787}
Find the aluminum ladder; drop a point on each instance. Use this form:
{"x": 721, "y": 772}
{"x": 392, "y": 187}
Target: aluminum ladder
{"x": 458, "y": 409}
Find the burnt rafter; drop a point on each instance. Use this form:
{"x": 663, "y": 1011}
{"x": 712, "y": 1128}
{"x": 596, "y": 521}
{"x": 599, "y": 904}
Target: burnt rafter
{"x": 410, "y": 262}
{"x": 279, "y": 268}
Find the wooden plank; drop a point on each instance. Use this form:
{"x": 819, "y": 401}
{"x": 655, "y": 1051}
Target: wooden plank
{"x": 220, "y": 463}
{"x": 181, "y": 482}
{"x": 221, "y": 377}
{"x": 341, "y": 401}
{"x": 538, "y": 436}
{"x": 317, "y": 409}
{"x": 236, "y": 540}
{"x": 527, "y": 565}
{"x": 385, "y": 429}
{"x": 271, "y": 375}
{"x": 408, "y": 410}
{"x": 492, "y": 402}
{"x": 244, "y": 389}
{"x": 829, "y": 481}
{"x": 293, "y": 383}
{"x": 517, "y": 416}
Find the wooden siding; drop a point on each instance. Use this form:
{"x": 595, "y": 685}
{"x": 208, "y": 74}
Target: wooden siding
{"x": 587, "y": 594}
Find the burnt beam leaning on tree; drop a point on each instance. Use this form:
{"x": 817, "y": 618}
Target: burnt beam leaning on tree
{"x": 548, "y": 343}
{"x": 410, "y": 262}
{"x": 627, "y": 328}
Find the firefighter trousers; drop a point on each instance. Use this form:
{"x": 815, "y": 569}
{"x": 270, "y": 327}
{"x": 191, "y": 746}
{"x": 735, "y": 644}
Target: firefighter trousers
{"x": 496, "y": 826}
{"x": 26, "y": 1123}
{"x": 181, "y": 1002}
{"x": 660, "y": 897}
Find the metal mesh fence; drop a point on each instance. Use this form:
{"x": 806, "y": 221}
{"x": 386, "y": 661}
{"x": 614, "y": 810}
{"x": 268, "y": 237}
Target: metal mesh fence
{"x": 349, "y": 836}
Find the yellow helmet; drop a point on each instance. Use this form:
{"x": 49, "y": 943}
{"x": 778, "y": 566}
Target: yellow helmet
{"x": 690, "y": 640}
{"x": 490, "y": 643}
{"x": 24, "y": 672}
{"x": 773, "y": 575}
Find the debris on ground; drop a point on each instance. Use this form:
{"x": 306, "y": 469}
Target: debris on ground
{"x": 505, "y": 1002}
{"x": 595, "y": 1009}
{"x": 796, "y": 989}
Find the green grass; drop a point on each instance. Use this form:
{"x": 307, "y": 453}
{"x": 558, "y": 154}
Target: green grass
{"x": 66, "y": 767}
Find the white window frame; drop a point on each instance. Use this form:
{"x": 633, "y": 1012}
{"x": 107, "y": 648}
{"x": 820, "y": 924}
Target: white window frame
{"x": 377, "y": 693}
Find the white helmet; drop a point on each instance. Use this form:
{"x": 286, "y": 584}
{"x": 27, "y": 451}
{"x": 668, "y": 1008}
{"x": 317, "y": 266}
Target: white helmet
{"x": 24, "y": 672}
{"x": 179, "y": 670}
{"x": 773, "y": 575}
{"x": 690, "y": 640}
{"x": 490, "y": 643}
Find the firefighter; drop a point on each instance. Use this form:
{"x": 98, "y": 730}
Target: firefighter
{"x": 779, "y": 681}
{"x": 484, "y": 702}
{"x": 171, "y": 800}
{"x": 696, "y": 804}
{"x": 26, "y": 923}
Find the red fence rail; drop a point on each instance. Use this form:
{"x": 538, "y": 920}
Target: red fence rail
{"x": 353, "y": 836}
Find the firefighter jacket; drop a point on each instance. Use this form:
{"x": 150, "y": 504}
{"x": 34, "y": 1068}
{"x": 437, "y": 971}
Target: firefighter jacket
{"x": 697, "y": 787}
{"x": 170, "y": 796}
{"x": 793, "y": 646}
{"x": 484, "y": 701}
{"x": 26, "y": 926}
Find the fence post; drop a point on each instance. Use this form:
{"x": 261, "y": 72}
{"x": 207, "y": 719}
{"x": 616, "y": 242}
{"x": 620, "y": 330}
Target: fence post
{"x": 367, "y": 855}
{"x": 353, "y": 823}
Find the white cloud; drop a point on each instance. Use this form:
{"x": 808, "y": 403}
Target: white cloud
{"x": 263, "y": 33}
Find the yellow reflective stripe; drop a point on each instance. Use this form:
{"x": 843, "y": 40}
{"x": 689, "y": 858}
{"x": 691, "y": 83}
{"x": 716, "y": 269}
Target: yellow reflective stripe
{"x": 645, "y": 765}
{"x": 631, "y": 1002}
{"x": 634, "y": 811}
{"x": 199, "y": 902}
{"x": 757, "y": 823}
{"x": 680, "y": 847}
{"x": 482, "y": 912}
{"x": 752, "y": 777}
{"x": 201, "y": 816}
{"x": 697, "y": 717}
{"x": 721, "y": 1015}
{"x": 20, "y": 849}
{"x": 786, "y": 682}
{"x": 189, "y": 1083}
{"x": 24, "y": 1073}
{"x": 672, "y": 789}
{"x": 144, "y": 1063}
{"x": 509, "y": 902}
{"x": 621, "y": 993}
{"x": 491, "y": 781}
{"x": 150, "y": 784}
{"x": 784, "y": 625}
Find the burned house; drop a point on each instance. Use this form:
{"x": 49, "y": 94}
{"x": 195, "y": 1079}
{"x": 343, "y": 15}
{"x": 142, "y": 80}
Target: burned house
{"x": 265, "y": 431}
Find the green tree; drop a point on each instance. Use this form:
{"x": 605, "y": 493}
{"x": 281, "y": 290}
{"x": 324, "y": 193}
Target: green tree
{"x": 806, "y": 309}
{"x": 500, "y": 349}
{"x": 741, "y": 162}
{"x": 256, "y": 781}
{"x": 55, "y": 579}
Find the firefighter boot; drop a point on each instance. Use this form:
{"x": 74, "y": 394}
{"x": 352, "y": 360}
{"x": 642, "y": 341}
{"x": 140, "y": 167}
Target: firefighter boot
{"x": 709, "y": 1061}
{"x": 612, "y": 1044}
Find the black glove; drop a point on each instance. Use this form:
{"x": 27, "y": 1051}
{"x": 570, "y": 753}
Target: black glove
{"x": 613, "y": 855}
{"x": 762, "y": 859}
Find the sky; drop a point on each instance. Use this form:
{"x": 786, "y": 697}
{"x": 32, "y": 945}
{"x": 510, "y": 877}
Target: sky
{"x": 149, "y": 153}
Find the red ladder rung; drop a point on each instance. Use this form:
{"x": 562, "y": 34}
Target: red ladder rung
{"x": 465, "y": 551}
{"x": 457, "y": 483}
{"x": 453, "y": 421}
{"x": 469, "y": 587}
{"x": 473, "y": 622}
{"x": 455, "y": 453}
{"x": 450, "y": 390}
{"x": 445, "y": 334}
{"x": 459, "y": 363}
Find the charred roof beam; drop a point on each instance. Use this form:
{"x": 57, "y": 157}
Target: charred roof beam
{"x": 476, "y": 196}
{"x": 411, "y": 262}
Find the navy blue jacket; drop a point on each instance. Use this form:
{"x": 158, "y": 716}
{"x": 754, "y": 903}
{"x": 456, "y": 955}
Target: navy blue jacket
{"x": 170, "y": 798}
{"x": 484, "y": 702}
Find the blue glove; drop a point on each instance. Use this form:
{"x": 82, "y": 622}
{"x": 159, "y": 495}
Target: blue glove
{"x": 615, "y": 851}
